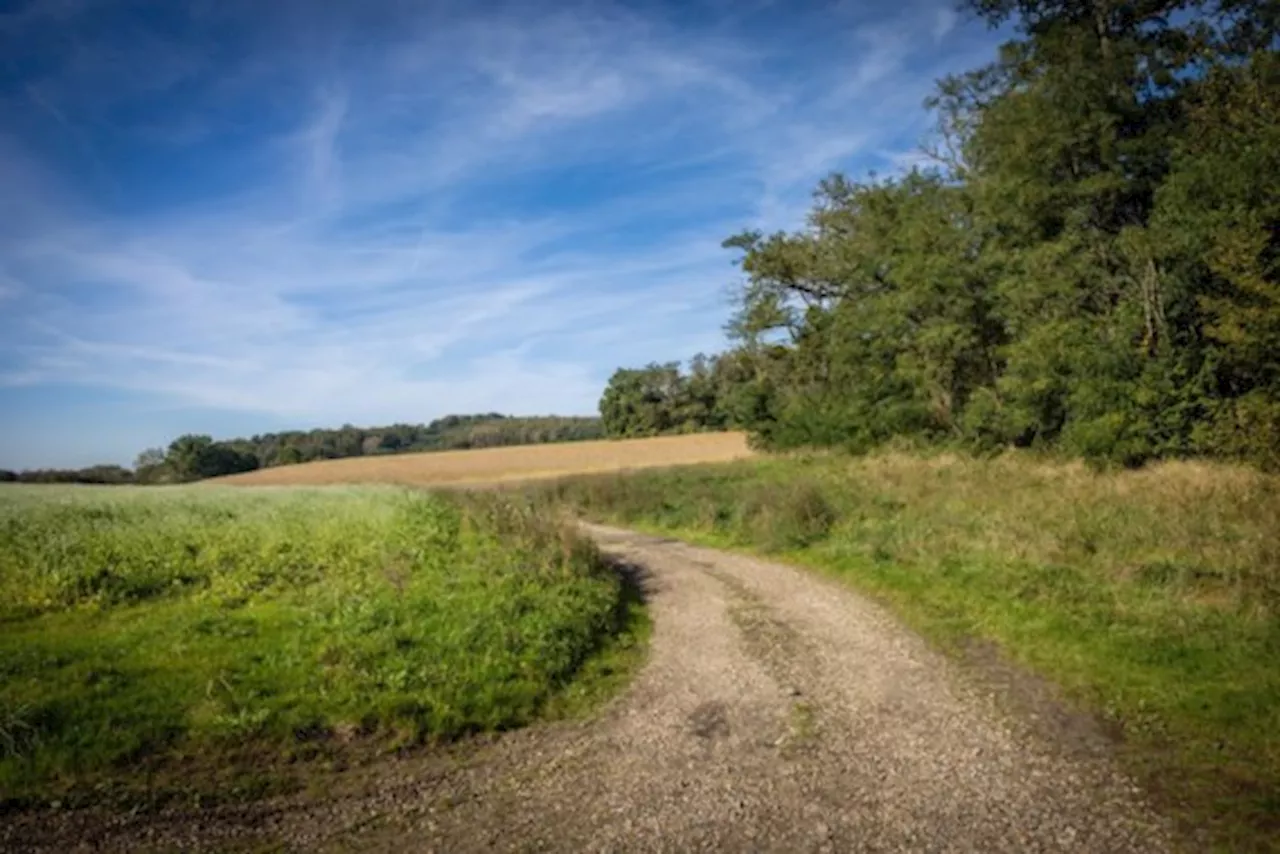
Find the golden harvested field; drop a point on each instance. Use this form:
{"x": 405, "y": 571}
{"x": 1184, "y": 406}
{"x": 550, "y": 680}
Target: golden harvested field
{"x": 497, "y": 465}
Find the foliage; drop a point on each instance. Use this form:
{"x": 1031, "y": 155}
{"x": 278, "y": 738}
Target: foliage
{"x": 1151, "y": 596}
{"x": 193, "y": 457}
{"x": 143, "y": 630}
{"x": 102, "y": 474}
{"x": 453, "y": 432}
{"x": 661, "y": 399}
{"x": 1092, "y": 264}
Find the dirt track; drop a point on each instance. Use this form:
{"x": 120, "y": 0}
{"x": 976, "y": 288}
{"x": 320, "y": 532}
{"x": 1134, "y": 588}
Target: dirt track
{"x": 778, "y": 712}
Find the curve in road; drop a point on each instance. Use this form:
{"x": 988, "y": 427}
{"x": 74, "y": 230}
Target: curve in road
{"x": 778, "y": 711}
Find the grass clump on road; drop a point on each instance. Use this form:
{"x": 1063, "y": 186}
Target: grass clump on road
{"x": 1152, "y": 597}
{"x": 177, "y": 630}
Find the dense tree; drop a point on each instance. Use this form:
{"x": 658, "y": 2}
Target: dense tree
{"x": 882, "y": 307}
{"x": 103, "y": 474}
{"x": 642, "y": 402}
{"x": 660, "y": 398}
{"x": 1093, "y": 264}
{"x": 453, "y": 432}
{"x": 1216, "y": 224}
{"x": 193, "y": 457}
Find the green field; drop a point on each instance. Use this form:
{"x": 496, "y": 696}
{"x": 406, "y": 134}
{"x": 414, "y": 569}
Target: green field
{"x": 197, "y": 638}
{"x": 1152, "y": 597}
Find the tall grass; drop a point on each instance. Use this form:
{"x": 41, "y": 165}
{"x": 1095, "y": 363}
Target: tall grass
{"x": 1152, "y": 597}
{"x": 143, "y": 630}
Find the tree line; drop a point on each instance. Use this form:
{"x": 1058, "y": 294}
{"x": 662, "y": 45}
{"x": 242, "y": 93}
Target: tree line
{"x": 194, "y": 457}
{"x": 1092, "y": 262}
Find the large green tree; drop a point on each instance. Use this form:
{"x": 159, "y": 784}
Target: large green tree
{"x": 194, "y": 457}
{"x": 661, "y": 398}
{"x": 883, "y": 305}
{"x": 1093, "y": 264}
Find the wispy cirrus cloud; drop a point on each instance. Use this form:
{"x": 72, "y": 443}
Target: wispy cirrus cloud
{"x": 377, "y": 211}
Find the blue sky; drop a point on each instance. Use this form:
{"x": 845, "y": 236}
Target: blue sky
{"x": 234, "y": 217}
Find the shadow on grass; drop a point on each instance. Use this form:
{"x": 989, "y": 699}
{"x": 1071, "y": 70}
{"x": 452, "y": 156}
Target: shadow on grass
{"x": 1129, "y": 613}
{"x": 610, "y": 667}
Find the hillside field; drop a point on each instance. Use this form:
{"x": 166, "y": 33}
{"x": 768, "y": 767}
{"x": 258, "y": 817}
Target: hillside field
{"x": 497, "y": 465}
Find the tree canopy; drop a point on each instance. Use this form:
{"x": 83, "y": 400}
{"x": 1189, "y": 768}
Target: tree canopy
{"x": 1092, "y": 264}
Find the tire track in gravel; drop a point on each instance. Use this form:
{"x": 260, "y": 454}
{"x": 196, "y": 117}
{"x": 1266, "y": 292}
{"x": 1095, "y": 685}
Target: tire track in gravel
{"x": 778, "y": 712}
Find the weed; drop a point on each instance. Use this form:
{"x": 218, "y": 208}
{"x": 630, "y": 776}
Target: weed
{"x": 794, "y": 516}
{"x": 18, "y": 737}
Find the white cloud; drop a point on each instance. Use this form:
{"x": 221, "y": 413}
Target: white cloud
{"x": 414, "y": 230}
{"x": 944, "y": 22}
{"x": 320, "y": 148}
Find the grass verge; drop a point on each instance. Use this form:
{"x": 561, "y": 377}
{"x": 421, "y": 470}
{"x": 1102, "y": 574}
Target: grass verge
{"x": 1151, "y": 597}
{"x": 201, "y": 641}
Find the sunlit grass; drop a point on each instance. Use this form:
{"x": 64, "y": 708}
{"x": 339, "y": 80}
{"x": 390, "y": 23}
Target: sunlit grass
{"x": 1152, "y": 597}
{"x": 142, "y": 630}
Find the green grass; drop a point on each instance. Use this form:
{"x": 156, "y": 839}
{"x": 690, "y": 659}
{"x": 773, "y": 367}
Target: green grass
{"x": 202, "y": 638}
{"x": 1151, "y": 597}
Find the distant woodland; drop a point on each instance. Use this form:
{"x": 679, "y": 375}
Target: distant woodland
{"x": 1091, "y": 264}
{"x": 193, "y": 457}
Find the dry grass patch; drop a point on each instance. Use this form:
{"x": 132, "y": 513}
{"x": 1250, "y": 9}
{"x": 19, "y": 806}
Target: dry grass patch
{"x": 498, "y": 465}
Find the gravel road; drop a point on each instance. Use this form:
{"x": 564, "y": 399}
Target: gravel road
{"x": 778, "y": 711}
